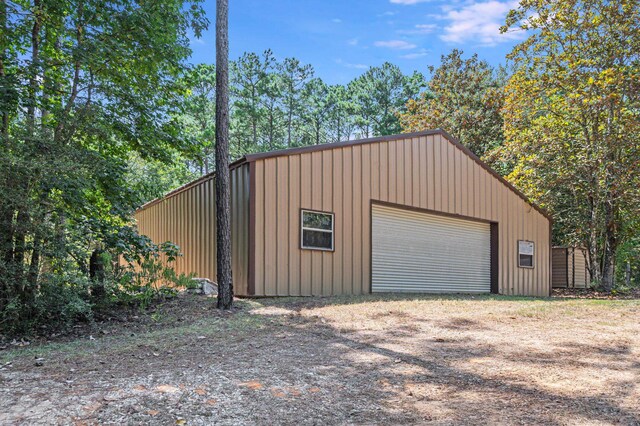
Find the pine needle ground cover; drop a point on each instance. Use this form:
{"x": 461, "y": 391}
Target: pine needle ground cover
{"x": 364, "y": 360}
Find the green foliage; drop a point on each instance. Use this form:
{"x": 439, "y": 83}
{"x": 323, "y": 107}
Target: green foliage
{"x": 151, "y": 179}
{"x": 197, "y": 117}
{"x": 136, "y": 274}
{"x": 572, "y": 121}
{"x": 255, "y": 112}
{"x": 147, "y": 275}
{"x": 281, "y": 104}
{"x": 294, "y": 78}
{"x": 61, "y": 301}
{"x": 628, "y": 260}
{"x": 86, "y": 86}
{"x": 99, "y": 113}
{"x": 464, "y": 97}
{"x": 380, "y": 95}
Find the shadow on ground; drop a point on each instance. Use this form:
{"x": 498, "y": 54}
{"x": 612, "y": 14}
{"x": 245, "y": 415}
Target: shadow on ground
{"x": 368, "y": 360}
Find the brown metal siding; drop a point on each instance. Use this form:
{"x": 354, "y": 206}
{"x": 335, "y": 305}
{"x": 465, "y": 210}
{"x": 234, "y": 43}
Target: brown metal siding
{"x": 241, "y": 187}
{"x": 424, "y": 171}
{"x": 580, "y": 272}
{"x": 187, "y": 218}
{"x": 570, "y": 268}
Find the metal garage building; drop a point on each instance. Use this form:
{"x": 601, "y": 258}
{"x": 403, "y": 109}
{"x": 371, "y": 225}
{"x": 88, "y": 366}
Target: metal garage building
{"x": 406, "y": 213}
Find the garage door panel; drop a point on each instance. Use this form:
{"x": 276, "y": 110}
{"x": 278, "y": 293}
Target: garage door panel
{"x": 420, "y": 252}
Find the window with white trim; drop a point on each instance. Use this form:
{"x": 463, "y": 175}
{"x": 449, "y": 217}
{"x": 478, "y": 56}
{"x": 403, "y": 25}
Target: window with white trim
{"x": 526, "y": 251}
{"x": 316, "y": 230}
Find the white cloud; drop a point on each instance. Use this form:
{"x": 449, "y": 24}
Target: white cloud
{"x": 420, "y": 29}
{"x": 408, "y": 1}
{"x": 426, "y": 27}
{"x": 388, "y": 13}
{"x": 336, "y": 20}
{"x": 350, "y": 65}
{"x": 416, "y": 55}
{"x": 395, "y": 44}
{"x": 353, "y": 42}
{"x": 478, "y": 22}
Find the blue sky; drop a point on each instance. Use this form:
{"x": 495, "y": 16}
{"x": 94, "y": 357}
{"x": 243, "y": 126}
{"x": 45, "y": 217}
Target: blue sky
{"x": 342, "y": 38}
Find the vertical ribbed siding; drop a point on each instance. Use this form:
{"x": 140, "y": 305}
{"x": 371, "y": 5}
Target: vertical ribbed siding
{"x": 570, "y": 267}
{"x": 580, "y": 268}
{"x": 414, "y": 251}
{"x": 188, "y": 219}
{"x": 424, "y": 171}
{"x": 182, "y": 219}
{"x": 240, "y": 181}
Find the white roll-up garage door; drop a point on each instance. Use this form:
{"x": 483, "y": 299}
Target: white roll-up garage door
{"x": 420, "y": 252}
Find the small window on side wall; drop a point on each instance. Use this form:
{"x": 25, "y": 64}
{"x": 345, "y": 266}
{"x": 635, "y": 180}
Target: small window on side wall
{"x": 526, "y": 250}
{"x": 316, "y": 230}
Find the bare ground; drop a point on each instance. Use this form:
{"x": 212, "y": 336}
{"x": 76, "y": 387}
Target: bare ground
{"x": 363, "y": 360}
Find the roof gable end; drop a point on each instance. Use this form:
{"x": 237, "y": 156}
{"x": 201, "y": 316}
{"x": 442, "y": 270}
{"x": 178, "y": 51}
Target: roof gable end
{"x": 447, "y": 136}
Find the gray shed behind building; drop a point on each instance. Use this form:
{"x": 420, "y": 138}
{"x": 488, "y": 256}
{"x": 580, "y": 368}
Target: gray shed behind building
{"x": 570, "y": 269}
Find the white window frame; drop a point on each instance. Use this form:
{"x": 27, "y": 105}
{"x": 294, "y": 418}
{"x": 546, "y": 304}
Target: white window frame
{"x": 304, "y": 228}
{"x": 533, "y": 255}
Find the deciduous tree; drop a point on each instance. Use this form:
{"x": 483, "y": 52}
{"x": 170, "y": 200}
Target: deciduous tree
{"x": 84, "y": 85}
{"x": 572, "y": 120}
{"x": 463, "y": 97}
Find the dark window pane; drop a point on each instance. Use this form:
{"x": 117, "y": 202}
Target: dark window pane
{"x": 526, "y": 260}
{"x": 316, "y": 239}
{"x": 316, "y": 220}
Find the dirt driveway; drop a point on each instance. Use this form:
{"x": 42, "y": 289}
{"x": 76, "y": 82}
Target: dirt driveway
{"x": 365, "y": 360}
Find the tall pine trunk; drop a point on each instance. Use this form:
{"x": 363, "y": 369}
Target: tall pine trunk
{"x": 4, "y": 125}
{"x": 223, "y": 211}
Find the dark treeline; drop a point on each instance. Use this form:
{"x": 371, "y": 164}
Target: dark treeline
{"x": 280, "y": 104}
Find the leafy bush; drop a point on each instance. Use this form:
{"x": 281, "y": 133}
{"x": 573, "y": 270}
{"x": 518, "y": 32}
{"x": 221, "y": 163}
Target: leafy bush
{"x": 149, "y": 276}
{"x": 135, "y": 274}
{"x": 58, "y": 302}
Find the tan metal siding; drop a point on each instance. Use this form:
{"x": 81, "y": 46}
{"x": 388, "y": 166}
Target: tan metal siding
{"x": 294, "y": 234}
{"x": 258, "y": 237}
{"x": 339, "y": 229}
{"x": 305, "y": 200}
{"x": 327, "y": 200}
{"x": 580, "y": 269}
{"x": 270, "y": 231}
{"x": 188, "y": 219}
{"x": 344, "y": 180}
{"x": 282, "y": 228}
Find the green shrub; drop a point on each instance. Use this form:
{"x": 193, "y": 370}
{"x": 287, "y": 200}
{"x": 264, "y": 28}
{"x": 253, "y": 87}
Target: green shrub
{"x": 58, "y": 302}
{"x": 65, "y": 296}
{"x": 148, "y": 277}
